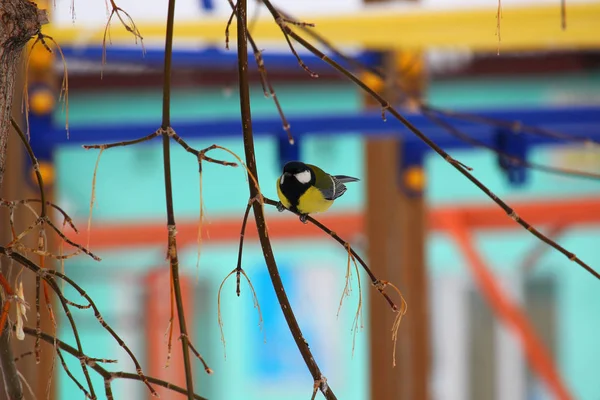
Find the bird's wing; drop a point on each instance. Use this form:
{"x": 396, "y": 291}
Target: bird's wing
{"x": 345, "y": 179}
{"x": 332, "y": 187}
{"x": 338, "y": 187}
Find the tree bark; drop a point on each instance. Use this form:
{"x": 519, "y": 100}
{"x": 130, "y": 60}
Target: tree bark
{"x": 19, "y": 21}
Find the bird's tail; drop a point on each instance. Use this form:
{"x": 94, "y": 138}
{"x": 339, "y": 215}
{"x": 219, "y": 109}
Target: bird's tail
{"x": 345, "y": 179}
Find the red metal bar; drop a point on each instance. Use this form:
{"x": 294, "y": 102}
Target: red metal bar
{"x": 157, "y": 316}
{"x": 572, "y": 211}
{"x": 510, "y": 313}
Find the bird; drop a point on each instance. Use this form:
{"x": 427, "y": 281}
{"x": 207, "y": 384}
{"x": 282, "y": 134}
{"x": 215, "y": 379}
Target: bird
{"x": 306, "y": 189}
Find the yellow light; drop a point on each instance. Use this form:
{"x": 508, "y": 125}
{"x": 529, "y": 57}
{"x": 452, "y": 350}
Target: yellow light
{"x": 410, "y": 62}
{"x": 47, "y": 172}
{"x": 415, "y": 179}
{"x": 40, "y": 58}
{"x": 41, "y": 101}
{"x": 372, "y": 81}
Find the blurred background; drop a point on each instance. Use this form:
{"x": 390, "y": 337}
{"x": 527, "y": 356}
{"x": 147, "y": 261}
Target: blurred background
{"x": 492, "y": 313}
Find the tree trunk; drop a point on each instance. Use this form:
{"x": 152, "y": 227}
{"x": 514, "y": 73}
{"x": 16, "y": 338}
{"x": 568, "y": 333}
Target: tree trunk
{"x": 19, "y": 21}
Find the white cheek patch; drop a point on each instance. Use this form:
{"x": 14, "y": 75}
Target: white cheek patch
{"x": 282, "y": 179}
{"x": 303, "y": 177}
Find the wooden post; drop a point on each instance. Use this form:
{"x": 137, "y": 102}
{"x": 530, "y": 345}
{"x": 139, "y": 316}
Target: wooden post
{"x": 20, "y": 183}
{"x": 16, "y": 187}
{"x": 396, "y": 232}
{"x": 20, "y": 20}
{"x": 43, "y": 94}
{"x": 395, "y": 221}
{"x": 157, "y": 313}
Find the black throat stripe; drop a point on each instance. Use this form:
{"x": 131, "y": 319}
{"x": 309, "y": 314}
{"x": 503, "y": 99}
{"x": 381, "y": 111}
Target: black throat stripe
{"x": 292, "y": 190}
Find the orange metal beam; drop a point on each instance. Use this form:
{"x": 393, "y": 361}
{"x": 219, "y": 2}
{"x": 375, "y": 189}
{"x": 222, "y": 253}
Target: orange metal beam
{"x": 572, "y": 211}
{"x": 510, "y": 313}
{"x": 157, "y": 312}
{"x": 582, "y": 211}
{"x": 226, "y": 229}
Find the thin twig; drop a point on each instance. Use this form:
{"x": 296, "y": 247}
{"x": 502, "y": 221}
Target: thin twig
{"x": 201, "y": 153}
{"x": 170, "y": 325}
{"x": 93, "y": 197}
{"x": 374, "y": 280}
{"x": 246, "y": 117}
{"x": 48, "y": 275}
{"x": 130, "y": 26}
{"x": 104, "y": 373}
{"x": 286, "y": 34}
{"x": 27, "y": 385}
{"x": 508, "y": 157}
{"x": 450, "y": 160}
{"x": 512, "y": 125}
{"x": 70, "y": 242}
{"x": 200, "y": 219}
{"x": 65, "y": 306}
{"x": 38, "y": 315}
{"x": 64, "y": 86}
{"x": 239, "y": 271}
{"x": 104, "y": 324}
{"x": 529, "y": 260}
{"x": 34, "y": 163}
{"x": 68, "y": 372}
{"x": 207, "y": 369}
{"x": 172, "y": 241}
{"x": 241, "y": 247}
{"x": 220, "y": 315}
{"x": 233, "y": 12}
{"x": 67, "y": 218}
{"x": 123, "y": 143}
{"x": 267, "y": 87}
{"x": 357, "y": 322}
{"x": 27, "y": 353}
{"x": 515, "y": 126}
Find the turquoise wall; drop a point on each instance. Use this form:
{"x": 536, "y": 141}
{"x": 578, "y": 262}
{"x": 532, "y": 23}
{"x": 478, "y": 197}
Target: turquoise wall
{"x": 130, "y": 187}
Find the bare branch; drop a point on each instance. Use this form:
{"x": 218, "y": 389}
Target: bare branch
{"x": 123, "y": 143}
{"x": 267, "y": 87}
{"x": 508, "y": 157}
{"x": 172, "y": 255}
{"x": 127, "y": 23}
{"x": 442, "y": 153}
{"x": 107, "y": 375}
{"x": 34, "y": 163}
{"x": 48, "y": 275}
{"x": 244, "y": 90}
{"x": 93, "y": 197}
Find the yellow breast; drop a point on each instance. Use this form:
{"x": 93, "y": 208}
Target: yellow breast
{"x": 312, "y": 201}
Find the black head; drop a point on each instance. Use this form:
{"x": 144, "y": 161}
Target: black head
{"x": 295, "y": 167}
{"x": 296, "y": 176}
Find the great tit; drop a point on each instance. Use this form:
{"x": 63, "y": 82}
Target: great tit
{"x": 307, "y": 189}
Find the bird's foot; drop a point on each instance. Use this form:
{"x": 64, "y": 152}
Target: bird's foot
{"x": 280, "y": 207}
{"x": 303, "y": 218}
